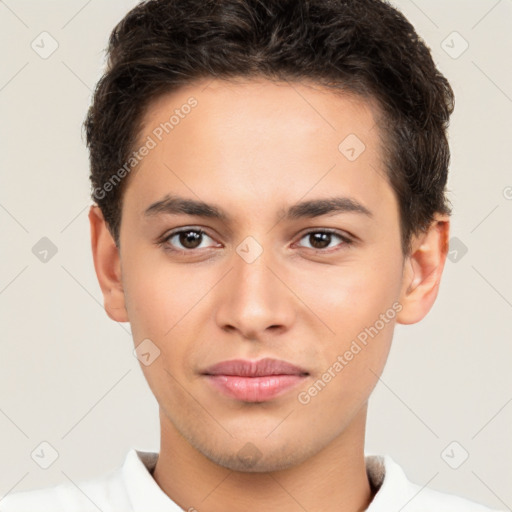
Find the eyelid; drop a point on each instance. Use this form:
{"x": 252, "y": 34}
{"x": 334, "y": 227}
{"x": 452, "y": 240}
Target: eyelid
{"x": 347, "y": 239}
{"x": 164, "y": 240}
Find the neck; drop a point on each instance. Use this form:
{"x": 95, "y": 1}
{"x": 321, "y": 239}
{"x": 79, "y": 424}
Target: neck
{"x": 333, "y": 479}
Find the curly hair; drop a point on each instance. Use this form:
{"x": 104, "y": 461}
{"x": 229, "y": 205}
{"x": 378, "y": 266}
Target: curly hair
{"x": 364, "y": 47}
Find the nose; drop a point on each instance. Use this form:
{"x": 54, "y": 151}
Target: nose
{"x": 254, "y": 297}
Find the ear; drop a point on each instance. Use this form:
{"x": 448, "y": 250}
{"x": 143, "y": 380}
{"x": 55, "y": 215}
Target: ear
{"x": 107, "y": 264}
{"x": 423, "y": 268}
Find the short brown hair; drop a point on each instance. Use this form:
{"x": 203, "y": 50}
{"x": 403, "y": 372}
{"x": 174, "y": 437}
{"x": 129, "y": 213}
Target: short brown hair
{"x": 365, "y": 47}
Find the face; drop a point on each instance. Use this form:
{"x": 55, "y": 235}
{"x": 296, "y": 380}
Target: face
{"x": 265, "y": 271}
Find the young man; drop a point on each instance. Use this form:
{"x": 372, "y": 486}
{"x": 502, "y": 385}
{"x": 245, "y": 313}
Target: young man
{"x": 269, "y": 183}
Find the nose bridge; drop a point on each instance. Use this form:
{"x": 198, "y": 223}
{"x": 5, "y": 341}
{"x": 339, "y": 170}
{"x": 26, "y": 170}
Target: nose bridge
{"x": 253, "y": 280}
{"x": 255, "y": 299}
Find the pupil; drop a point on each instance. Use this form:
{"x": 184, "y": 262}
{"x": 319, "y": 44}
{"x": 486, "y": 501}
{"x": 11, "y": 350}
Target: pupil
{"x": 323, "y": 238}
{"x": 189, "y": 239}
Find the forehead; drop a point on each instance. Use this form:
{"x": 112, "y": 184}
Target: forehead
{"x": 258, "y": 106}
{"x": 259, "y": 141}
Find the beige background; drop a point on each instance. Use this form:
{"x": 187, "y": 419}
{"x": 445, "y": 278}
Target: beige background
{"x": 67, "y": 372}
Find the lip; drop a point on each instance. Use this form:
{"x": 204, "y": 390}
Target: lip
{"x": 254, "y": 381}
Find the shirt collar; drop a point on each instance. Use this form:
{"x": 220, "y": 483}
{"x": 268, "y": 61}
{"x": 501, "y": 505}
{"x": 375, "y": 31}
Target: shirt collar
{"x": 144, "y": 493}
{"x": 390, "y": 480}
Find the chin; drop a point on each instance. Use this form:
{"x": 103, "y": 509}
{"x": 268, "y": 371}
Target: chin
{"x": 253, "y": 457}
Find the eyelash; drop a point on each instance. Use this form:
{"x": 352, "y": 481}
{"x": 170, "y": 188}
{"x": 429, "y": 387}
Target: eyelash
{"x": 347, "y": 242}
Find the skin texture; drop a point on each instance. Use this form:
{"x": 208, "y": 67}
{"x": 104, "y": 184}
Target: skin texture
{"x": 253, "y": 148}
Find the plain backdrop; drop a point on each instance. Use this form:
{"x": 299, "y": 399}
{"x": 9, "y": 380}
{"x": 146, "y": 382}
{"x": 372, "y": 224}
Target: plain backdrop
{"x": 68, "y": 376}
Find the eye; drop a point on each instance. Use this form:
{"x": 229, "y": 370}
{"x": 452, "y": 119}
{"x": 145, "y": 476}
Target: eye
{"x": 321, "y": 239}
{"x": 188, "y": 238}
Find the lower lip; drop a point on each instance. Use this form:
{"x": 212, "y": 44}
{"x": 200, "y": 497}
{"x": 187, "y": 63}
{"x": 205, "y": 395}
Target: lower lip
{"x": 254, "y": 389}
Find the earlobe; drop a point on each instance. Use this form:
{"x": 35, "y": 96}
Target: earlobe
{"x": 107, "y": 265}
{"x": 423, "y": 270}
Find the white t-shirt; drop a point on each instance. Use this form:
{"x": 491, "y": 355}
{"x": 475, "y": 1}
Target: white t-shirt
{"x": 131, "y": 488}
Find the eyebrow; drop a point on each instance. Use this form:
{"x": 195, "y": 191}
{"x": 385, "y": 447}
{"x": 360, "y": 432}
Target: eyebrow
{"x": 175, "y": 205}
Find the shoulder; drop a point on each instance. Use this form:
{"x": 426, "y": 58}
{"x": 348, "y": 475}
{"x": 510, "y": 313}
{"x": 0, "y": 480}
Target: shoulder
{"x": 443, "y": 502}
{"x": 430, "y": 499}
{"x": 105, "y": 493}
{"x": 396, "y": 492}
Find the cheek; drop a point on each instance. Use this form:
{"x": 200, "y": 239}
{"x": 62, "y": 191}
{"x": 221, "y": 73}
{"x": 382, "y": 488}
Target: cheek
{"x": 359, "y": 304}
{"x": 158, "y": 294}
{"x": 351, "y": 297}
{"x": 163, "y": 302}
{"x": 351, "y": 364}
{"x": 160, "y": 308}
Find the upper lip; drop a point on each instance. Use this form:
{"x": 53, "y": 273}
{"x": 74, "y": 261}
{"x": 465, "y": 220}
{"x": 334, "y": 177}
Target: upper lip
{"x": 245, "y": 368}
